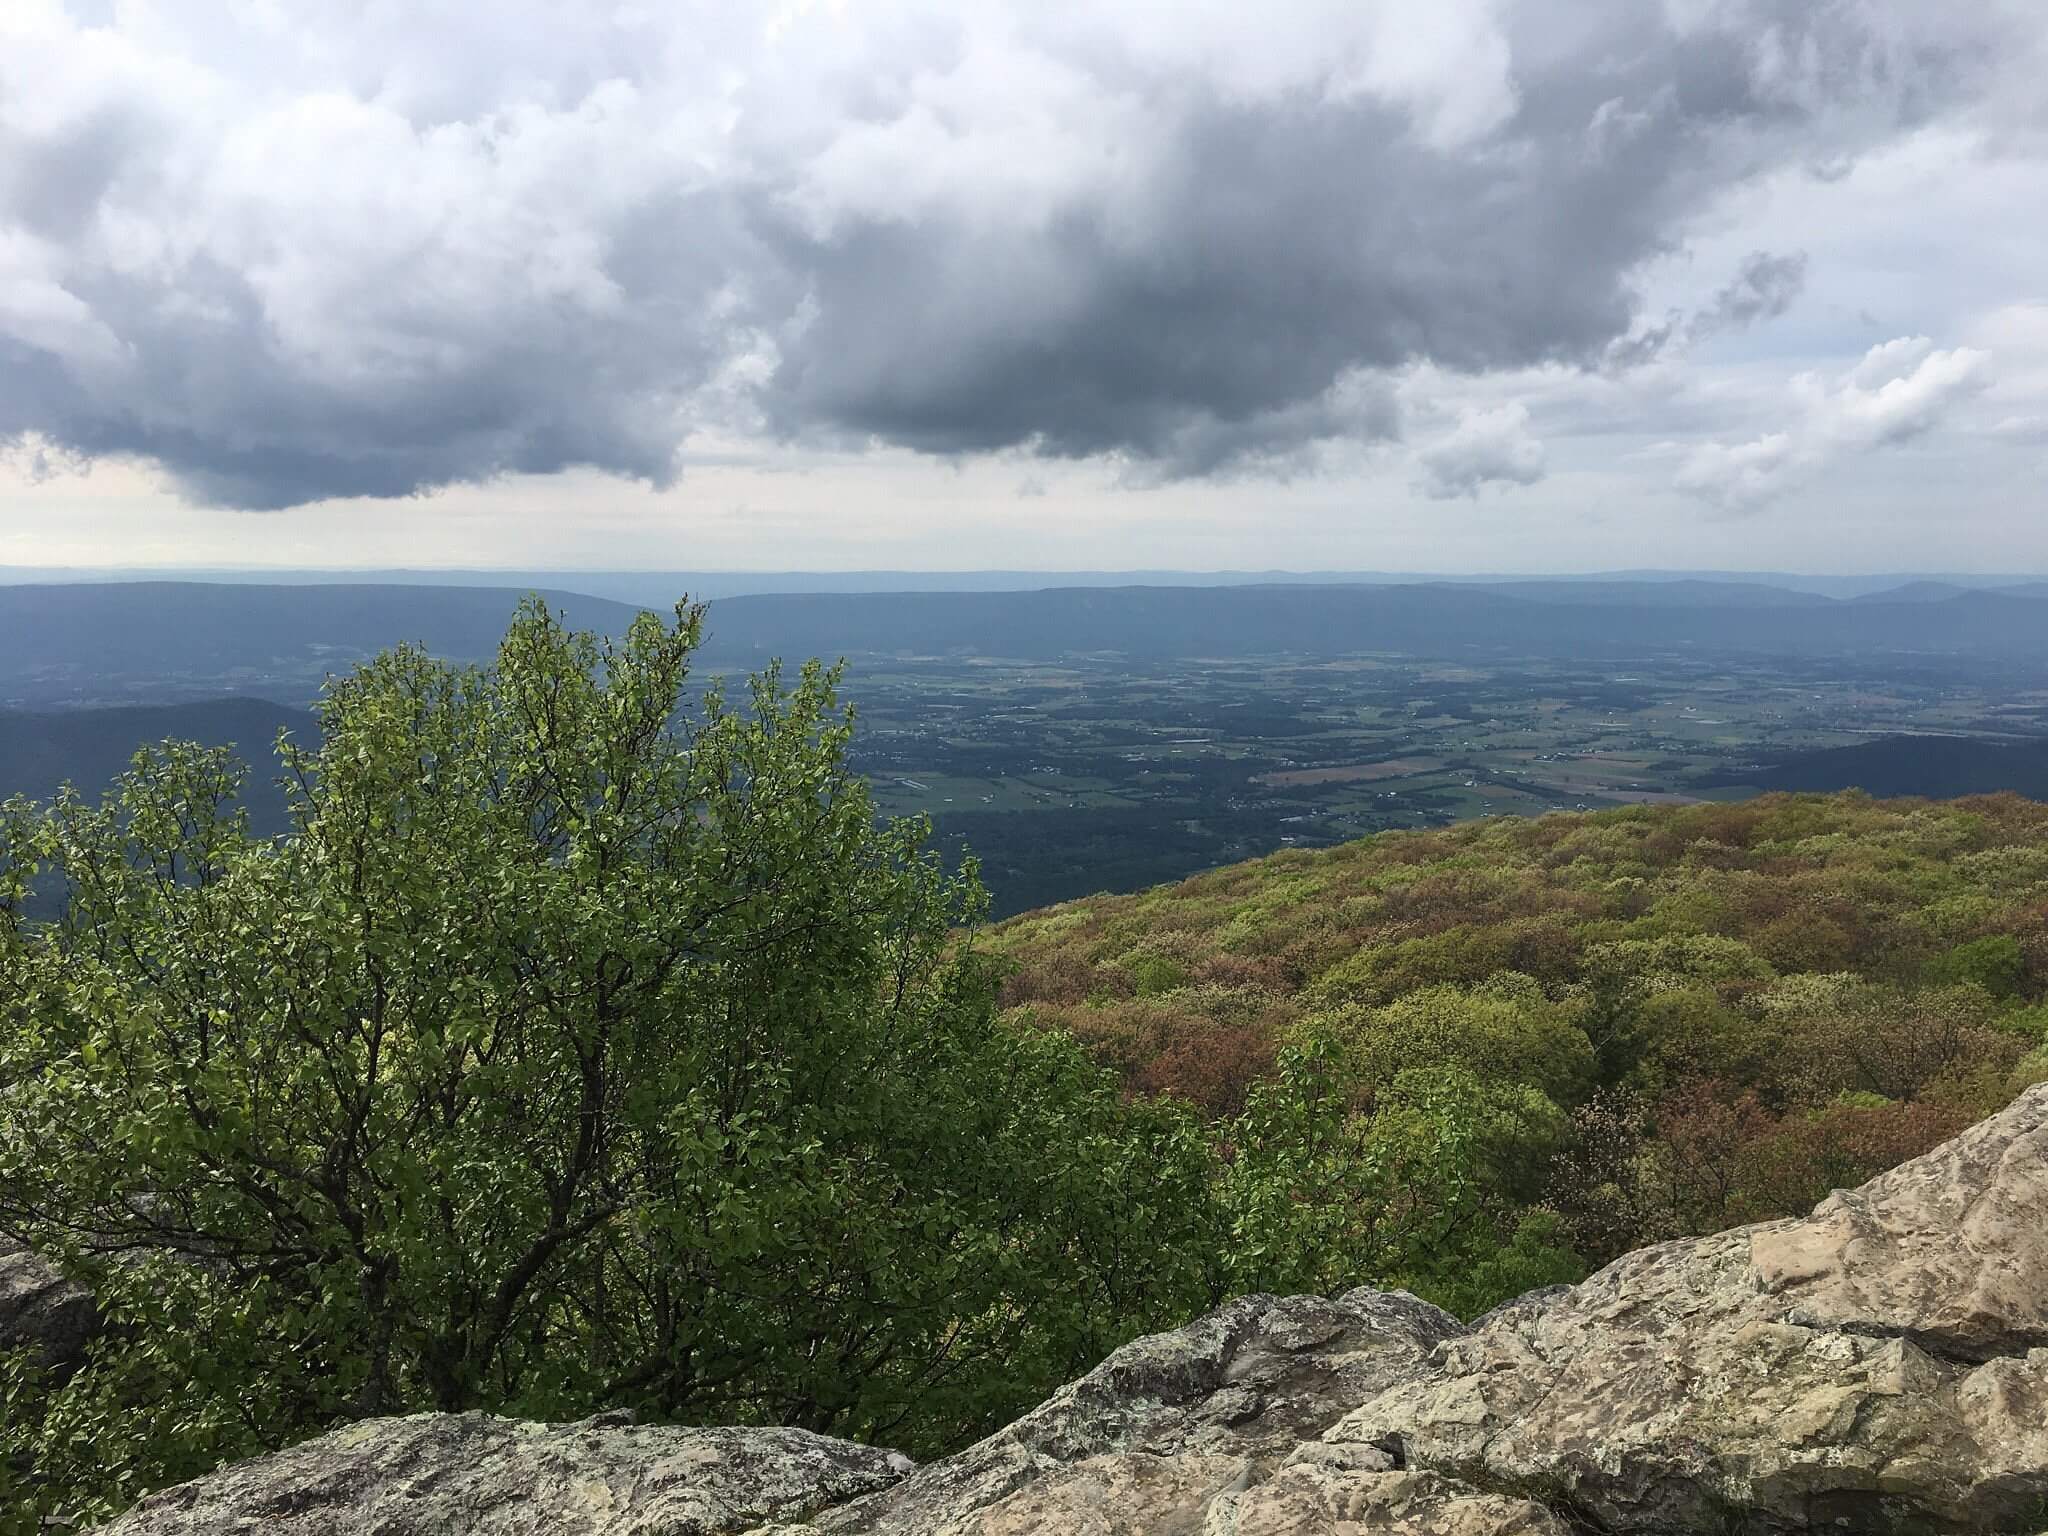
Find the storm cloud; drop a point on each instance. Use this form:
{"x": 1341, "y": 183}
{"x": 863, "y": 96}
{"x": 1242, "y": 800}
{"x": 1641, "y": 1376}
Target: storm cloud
{"x": 287, "y": 257}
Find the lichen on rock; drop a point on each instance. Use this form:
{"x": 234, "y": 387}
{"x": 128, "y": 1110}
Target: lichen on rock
{"x": 1168, "y": 1423}
{"x": 470, "y": 1474}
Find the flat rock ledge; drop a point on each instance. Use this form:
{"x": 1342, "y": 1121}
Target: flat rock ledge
{"x": 1878, "y": 1366}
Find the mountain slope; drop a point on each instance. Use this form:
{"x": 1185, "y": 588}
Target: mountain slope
{"x": 87, "y": 748}
{"x": 1732, "y": 970}
{"x": 1937, "y": 767}
{"x": 109, "y": 639}
{"x": 1435, "y": 621}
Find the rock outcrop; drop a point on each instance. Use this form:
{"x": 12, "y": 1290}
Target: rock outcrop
{"x": 1881, "y": 1365}
{"x": 469, "y": 1474}
{"x": 1189, "y": 1427}
{"x": 41, "y": 1310}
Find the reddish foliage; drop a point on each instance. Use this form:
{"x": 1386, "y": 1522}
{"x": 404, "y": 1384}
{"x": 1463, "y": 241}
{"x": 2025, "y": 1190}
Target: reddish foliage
{"x": 1053, "y": 975}
{"x": 1211, "y": 1066}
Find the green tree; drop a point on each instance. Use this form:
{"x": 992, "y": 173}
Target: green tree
{"x": 572, "y": 1051}
{"x": 1994, "y": 962}
{"x": 1502, "y": 1030}
{"x": 1424, "y": 1191}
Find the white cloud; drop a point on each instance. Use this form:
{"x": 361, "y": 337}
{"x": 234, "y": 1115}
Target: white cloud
{"x": 2021, "y": 429}
{"x": 1485, "y": 448}
{"x": 1898, "y": 391}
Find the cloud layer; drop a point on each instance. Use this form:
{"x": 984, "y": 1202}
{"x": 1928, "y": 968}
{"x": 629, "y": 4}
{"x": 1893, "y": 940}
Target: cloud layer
{"x": 289, "y": 252}
{"x": 1899, "y": 391}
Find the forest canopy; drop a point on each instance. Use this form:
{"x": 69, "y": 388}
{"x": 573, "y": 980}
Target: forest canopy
{"x": 1686, "y": 1016}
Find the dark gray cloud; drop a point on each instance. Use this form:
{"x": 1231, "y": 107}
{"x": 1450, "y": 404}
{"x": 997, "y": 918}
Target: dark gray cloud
{"x": 1293, "y": 244}
{"x": 1290, "y": 241}
{"x": 1764, "y": 287}
{"x": 491, "y": 248}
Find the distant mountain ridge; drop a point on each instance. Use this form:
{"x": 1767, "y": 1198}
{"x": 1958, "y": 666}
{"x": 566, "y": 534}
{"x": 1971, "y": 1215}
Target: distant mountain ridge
{"x": 657, "y": 588}
{"x": 67, "y": 642}
{"x": 1433, "y": 621}
{"x": 151, "y": 641}
{"x": 1679, "y": 592}
{"x": 1932, "y": 592}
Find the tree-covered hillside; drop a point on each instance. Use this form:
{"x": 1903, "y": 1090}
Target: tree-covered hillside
{"x": 41, "y": 751}
{"x": 1706, "y": 1014}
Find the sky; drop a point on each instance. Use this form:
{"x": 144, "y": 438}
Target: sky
{"x": 1481, "y": 285}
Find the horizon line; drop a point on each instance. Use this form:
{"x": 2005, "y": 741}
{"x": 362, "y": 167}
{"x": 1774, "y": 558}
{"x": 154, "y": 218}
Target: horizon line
{"x": 1614, "y": 574}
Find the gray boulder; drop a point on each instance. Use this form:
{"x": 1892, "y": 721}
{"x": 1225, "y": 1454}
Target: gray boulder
{"x": 40, "y": 1309}
{"x": 1210, "y": 1428}
{"x": 469, "y": 1474}
{"x": 1881, "y": 1364}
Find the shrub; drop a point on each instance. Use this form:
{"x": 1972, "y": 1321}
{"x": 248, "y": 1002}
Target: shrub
{"x": 1504, "y": 1031}
{"x": 1417, "y": 1193}
{"x": 1994, "y": 963}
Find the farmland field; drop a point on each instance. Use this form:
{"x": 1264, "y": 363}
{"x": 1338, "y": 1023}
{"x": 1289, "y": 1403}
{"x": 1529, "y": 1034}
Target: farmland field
{"x": 1108, "y": 773}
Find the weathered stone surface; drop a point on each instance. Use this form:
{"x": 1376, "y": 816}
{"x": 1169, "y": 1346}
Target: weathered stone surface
{"x": 1131, "y": 1494}
{"x": 1322, "y": 1491}
{"x": 1950, "y": 1249}
{"x": 41, "y": 1309}
{"x": 1218, "y": 1400}
{"x": 1871, "y": 1366}
{"x": 473, "y": 1475}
